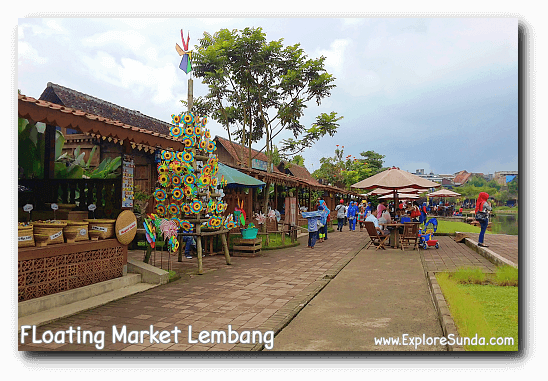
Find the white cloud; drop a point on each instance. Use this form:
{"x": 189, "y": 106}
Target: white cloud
{"x": 128, "y": 39}
{"x": 27, "y": 53}
{"x": 335, "y": 56}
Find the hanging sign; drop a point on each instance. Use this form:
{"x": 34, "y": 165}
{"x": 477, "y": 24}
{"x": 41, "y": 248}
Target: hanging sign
{"x": 27, "y": 208}
{"x": 127, "y": 182}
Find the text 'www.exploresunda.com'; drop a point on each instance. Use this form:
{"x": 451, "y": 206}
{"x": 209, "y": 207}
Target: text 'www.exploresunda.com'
{"x": 451, "y": 339}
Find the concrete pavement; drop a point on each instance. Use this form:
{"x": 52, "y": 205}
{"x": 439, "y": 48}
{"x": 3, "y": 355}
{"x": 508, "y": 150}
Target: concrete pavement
{"x": 378, "y": 294}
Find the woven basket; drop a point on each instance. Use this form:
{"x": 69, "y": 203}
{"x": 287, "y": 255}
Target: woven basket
{"x": 81, "y": 227}
{"x": 106, "y": 227}
{"x": 25, "y": 236}
{"x": 126, "y": 227}
{"x": 53, "y": 230}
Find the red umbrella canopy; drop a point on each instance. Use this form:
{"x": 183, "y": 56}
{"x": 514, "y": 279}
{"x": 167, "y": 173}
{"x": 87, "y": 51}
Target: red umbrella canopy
{"x": 395, "y": 179}
{"x": 380, "y": 192}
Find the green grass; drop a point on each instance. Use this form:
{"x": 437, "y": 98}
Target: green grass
{"x": 506, "y": 276}
{"x": 483, "y": 310}
{"x": 469, "y": 275}
{"x": 450, "y": 227}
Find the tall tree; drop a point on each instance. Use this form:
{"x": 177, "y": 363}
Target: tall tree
{"x": 257, "y": 89}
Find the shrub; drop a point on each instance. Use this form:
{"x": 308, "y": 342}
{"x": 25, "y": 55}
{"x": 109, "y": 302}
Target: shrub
{"x": 469, "y": 275}
{"x": 506, "y": 276}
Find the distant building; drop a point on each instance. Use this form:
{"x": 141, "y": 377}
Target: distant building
{"x": 504, "y": 177}
{"x": 430, "y": 176}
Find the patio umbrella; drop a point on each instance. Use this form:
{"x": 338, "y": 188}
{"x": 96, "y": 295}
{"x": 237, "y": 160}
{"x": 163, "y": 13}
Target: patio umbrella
{"x": 400, "y": 196}
{"x": 443, "y": 193}
{"x": 395, "y": 179}
{"x": 382, "y": 192}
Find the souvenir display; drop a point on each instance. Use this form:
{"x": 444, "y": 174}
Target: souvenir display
{"x": 187, "y": 179}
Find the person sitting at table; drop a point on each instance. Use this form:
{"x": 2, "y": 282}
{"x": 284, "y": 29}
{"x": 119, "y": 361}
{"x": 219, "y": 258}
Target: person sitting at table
{"x": 372, "y": 218}
{"x": 381, "y": 208}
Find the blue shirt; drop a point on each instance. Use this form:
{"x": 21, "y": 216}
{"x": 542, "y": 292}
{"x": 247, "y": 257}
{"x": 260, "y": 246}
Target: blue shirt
{"x": 313, "y": 224}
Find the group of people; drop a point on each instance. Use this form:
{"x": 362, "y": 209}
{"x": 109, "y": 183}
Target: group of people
{"x": 352, "y": 214}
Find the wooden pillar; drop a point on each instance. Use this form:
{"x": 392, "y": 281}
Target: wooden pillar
{"x": 224, "y": 241}
{"x": 49, "y": 152}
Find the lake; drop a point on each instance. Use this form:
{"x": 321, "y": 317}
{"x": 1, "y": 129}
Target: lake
{"x": 504, "y": 224}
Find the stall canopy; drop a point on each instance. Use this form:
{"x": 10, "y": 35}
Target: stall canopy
{"x": 237, "y": 179}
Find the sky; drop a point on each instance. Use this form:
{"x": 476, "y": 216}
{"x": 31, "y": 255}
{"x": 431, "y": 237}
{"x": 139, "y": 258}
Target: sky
{"x": 439, "y": 94}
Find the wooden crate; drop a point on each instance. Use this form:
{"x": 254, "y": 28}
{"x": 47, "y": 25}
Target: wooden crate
{"x": 247, "y": 247}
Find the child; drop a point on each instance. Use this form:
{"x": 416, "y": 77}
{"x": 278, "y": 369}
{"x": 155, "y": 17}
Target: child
{"x": 313, "y": 220}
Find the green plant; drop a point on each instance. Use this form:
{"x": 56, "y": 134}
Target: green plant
{"x": 469, "y": 275}
{"x": 506, "y": 276}
{"x": 106, "y": 169}
{"x": 31, "y": 145}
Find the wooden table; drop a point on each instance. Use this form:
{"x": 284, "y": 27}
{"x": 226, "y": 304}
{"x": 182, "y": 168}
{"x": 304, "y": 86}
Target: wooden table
{"x": 394, "y": 233}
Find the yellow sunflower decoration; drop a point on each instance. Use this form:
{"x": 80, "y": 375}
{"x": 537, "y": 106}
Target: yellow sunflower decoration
{"x": 160, "y": 194}
{"x": 167, "y": 155}
{"x": 160, "y": 210}
{"x": 185, "y": 208}
{"x": 203, "y": 144}
{"x": 214, "y": 181}
{"x": 206, "y": 170}
{"x": 176, "y": 167}
{"x": 197, "y": 130}
{"x": 188, "y": 118}
{"x": 196, "y": 206}
{"x": 186, "y": 226}
{"x": 177, "y": 193}
{"x": 164, "y": 179}
{"x": 188, "y": 157}
{"x": 175, "y": 131}
{"x": 188, "y": 142}
{"x": 173, "y": 209}
{"x": 211, "y": 147}
{"x": 176, "y": 180}
{"x": 163, "y": 168}
{"x": 189, "y": 132}
{"x": 204, "y": 121}
{"x": 175, "y": 119}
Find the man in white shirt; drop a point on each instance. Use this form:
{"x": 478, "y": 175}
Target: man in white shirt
{"x": 372, "y": 218}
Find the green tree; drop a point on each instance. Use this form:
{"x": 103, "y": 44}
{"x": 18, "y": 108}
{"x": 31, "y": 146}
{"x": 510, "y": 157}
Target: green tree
{"x": 343, "y": 171}
{"x": 257, "y": 89}
{"x": 298, "y": 159}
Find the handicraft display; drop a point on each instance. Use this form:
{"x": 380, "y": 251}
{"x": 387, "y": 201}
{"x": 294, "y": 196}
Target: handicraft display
{"x": 188, "y": 191}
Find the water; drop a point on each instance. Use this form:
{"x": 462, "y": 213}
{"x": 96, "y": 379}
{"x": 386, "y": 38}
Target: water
{"x": 505, "y": 224}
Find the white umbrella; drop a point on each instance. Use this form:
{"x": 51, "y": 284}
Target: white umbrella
{"x": 443, "y": 193}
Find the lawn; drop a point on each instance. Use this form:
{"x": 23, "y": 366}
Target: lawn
{"x": 450, "y": 227}
{"x": 485, "y": 310}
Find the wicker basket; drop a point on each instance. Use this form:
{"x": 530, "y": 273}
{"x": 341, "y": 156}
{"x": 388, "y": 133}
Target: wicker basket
{"x": 25, "y": 236}
{"x": 81, "y": 227}
{"x": 53, "y": 230}
{"x": 106, "y": 227}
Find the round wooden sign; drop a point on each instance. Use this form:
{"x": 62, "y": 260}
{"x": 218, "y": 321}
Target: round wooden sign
{"x": 126, "y": 227}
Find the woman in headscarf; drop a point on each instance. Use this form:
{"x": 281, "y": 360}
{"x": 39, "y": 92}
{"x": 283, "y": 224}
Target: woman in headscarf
{"x": 483, "y": 207}
{"x": 381, "y": 208}
{"x": 325, "y": 212}
{"x": 351, "y": 214}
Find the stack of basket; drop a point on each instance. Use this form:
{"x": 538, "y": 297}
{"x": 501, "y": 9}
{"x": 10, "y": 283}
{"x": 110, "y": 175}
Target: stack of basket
{"x": 48, "y": 233}
{"x": 25, "y": 236}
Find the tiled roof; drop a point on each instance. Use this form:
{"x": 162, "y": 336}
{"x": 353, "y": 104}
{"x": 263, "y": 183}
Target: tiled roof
{"x": 71, "y": 98}
{"x": 300, "y": 172}
{"x": 232, "y": 148}
{"x": 62, "y": 116}
{"x": 461, "y": 177}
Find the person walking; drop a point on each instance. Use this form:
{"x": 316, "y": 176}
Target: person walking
{"x": 341, "y": 213}
{"x": 312, "y": 229}
{"x": 483, "y": 207}
{"x": 351, "y": 214}
{"x": 323, "y": 220}
{"x": 361, "y": 215}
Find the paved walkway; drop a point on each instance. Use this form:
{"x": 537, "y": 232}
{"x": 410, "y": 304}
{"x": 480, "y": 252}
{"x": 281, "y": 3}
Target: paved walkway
{"x": 504, "y": 245}
{"x": 379, "y": 294}
{"x": 259, "y": 293}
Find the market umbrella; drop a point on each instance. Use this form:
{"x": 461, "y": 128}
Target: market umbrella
{"x": 382, "y": 192}
{"x": 400, "y": 196}
{"x": 443, "y": 193}
{"x": 395, "y": 179}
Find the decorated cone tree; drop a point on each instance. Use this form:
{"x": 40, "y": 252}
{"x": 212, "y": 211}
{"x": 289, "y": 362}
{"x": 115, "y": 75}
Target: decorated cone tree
{"x": 189, "y": 188}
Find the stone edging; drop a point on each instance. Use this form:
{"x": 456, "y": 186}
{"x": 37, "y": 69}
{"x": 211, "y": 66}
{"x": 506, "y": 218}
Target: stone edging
{"x": 490, "y": 255}
{"x": 444, "y": 315}
{"x": 284, "y": 315}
